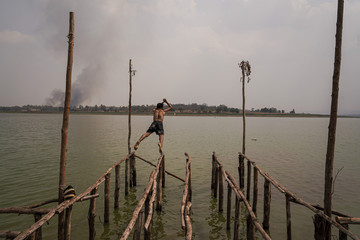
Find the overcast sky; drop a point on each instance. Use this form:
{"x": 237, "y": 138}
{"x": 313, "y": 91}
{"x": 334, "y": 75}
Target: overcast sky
{"x": 185, "y": 50}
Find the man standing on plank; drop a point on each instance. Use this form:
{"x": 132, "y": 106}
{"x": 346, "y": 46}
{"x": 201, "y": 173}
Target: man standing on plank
{"x": 157, "y": 124}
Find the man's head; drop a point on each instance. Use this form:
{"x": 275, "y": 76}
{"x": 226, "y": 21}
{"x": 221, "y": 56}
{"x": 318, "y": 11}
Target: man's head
{"x": 159, "y": 105}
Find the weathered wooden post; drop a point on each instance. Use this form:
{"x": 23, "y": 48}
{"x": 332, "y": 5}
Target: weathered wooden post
{"x": 216, "y": 181}
{"x": 132, "y": 171}
{"x": 117, "y": 186}
{"x": 91, "y": 216}
{"x": 64, "y": 130}
{"x": 127, "y": 176}
{"x": 213, "y": 171}
{"x": 255, "y": 190}
{"x": 228, "y": 207}
{"x": 138, "y": 226}
{"x": 250, "y": 228}
{"x": 343, "y": 236}
{"x": 68, "y": 222}
{"x": 288, "y": 217}
{"x": 221, "y": 189}
{"x": 241, "y": 172}
{"x": 163, "y": 172}
{"x": 319, "y": 227}
{"x": 248, "y": 181}
{"x": 329, "y": 165}
{"x": 267, "y": 201}
{"x": 159, "y": 189}
{"x": 148, "y": 232}
{"x": 38, "y": 233}
{"x": 107, "y": 198}
{"x": 237, "y": 218}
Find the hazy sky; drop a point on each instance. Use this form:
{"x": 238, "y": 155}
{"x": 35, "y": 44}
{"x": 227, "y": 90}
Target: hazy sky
{"x": 185, "y": 50}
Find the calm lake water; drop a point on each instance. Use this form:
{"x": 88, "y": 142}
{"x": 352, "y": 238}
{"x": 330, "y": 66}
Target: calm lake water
{"x": 292, "y": 150}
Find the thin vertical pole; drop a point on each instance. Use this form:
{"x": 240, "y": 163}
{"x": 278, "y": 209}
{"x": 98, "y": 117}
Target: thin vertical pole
{"x": 221, "y": 189}
{"x": 288, "y": 217}
{"x": 329, "y": 165}
{"x": 228, "y": 207}
{"x": 255, "y": 190}
{"x": 68, "y": 222}
{"x": 107, "y": 198}
{"x": 267, "y": 201}
{"x": 117, "y": 186}
{"x": 127, "y": 176}
{"x": 159, "y": 189}
{"x": 130, "y": 95}
{"x": 91, "y": 216}
{"x": 64, "y": 130}
{"x": 243, "y": 106}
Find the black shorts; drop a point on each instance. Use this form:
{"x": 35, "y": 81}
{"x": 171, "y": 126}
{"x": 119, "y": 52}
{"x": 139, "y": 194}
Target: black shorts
{"x": 156, "y": 127}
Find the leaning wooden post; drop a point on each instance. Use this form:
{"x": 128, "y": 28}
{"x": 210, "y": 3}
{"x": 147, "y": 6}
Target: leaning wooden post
{"x": 213, "y": 171}
{"x": 138, "y": 226}
{"x": 228, "y": 207}
{"x": 221, "y": 189}
{"x": 255, "y": 190}
{"x": 38, "y": 233}
{"x": 237, "y": 218}
{"x": 248, "y": 181}
{"x": 64, "y": 130}
{"x": 107, "y": 198}
{"x": 216, "y": 181}
{"x": 68, "y": 222}
{"x": 288, "y": 217}
{"x": 267, "y": 201}
{"x": 117, "y": 186}
{"x": 241, "y": 170}
{"x": 91, "y": 215}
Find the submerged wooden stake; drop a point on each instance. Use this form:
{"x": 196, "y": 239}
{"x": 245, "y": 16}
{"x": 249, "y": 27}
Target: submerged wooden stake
{"x": 38, "y": 233}
{"x": 288, "y": 217}
{"x": 228, "y": 207}
{"x": 237, "y": 218}
{"x": 255, "y": 190}
{"x": 221, "y": 189}
{"x": 107, "y": 198}
{"x": 267, "y": 201}
{"x": 117, "y": 186}
{"x": 68, "y": 222}
{"x": 91, "y": 216}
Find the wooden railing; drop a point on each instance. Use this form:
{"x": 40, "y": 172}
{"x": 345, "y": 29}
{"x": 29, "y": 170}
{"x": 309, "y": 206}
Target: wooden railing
{"x": 340, "y": 222}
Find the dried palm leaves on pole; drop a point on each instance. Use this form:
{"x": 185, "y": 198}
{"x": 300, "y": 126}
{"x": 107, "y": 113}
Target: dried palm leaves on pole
{"x": 246, "y": 71}
{"x": 65, "y": 125}
{"x": 329, "y": 165}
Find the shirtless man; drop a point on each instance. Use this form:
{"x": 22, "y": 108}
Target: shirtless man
{"x": 157, "y": 125}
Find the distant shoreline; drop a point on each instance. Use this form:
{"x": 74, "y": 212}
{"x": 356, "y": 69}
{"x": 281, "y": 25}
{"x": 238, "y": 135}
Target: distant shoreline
{"x": 169, "y": 114}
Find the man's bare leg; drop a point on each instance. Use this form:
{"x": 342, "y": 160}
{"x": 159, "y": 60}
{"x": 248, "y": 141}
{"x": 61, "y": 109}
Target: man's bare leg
{"x": 145, "y": 135}
{"x": 161, "y": 140}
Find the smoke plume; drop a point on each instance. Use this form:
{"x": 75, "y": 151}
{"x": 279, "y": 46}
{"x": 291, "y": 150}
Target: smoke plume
{"x": 84, "y": 89}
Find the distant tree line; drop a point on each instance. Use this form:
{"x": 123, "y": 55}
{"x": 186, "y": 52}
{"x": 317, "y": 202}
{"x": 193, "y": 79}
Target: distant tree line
{"x": 193, "y": 108}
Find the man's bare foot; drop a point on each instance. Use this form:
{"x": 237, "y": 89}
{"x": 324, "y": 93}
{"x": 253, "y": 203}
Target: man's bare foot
{"x": 136, "y": 146}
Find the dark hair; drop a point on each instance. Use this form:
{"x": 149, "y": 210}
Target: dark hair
{"x": 159, "y": 105}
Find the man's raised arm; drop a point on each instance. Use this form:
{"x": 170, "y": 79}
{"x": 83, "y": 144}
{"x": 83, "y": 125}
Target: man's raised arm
{"x": 169, "y": 104}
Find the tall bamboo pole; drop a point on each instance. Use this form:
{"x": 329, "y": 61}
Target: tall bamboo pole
{"x": 333, "y": 119}
{"x": 243, "y": 106}
{"x": 130, "y": 95}
{"x": 64, "y": 130}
